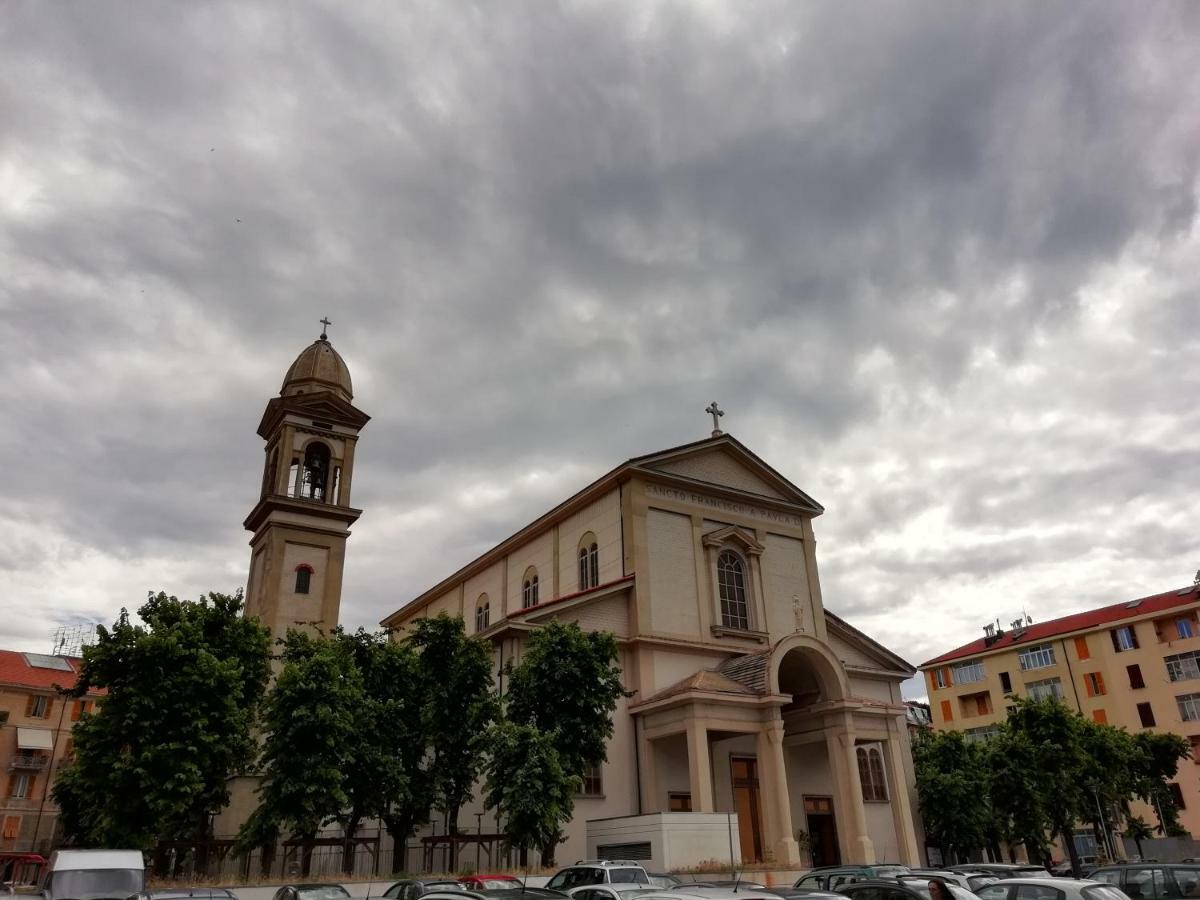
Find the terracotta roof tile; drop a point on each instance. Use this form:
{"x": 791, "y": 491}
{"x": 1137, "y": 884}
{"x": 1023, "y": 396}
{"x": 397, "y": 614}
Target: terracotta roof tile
{"x": 749, "y": 670}
{"x": 1092, "y": 618}
{"x": 16, "y": 670}
{"x": 705, "y": 680}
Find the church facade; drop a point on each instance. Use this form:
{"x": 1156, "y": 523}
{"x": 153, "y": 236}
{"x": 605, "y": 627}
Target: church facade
{"x": 746, "y": 695}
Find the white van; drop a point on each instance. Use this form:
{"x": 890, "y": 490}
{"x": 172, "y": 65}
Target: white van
{"x": 94, "y": 875}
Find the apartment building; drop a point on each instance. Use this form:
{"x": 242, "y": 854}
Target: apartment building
{"x": 35, "y": 728}
{"x": 1135, "y": 665}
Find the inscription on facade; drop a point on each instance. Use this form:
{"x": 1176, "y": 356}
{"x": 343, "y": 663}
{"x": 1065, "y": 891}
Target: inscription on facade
{"x": 744, "y": 509}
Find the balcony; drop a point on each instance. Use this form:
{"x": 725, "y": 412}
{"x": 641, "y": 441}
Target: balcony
{"x": 35, "y": 761}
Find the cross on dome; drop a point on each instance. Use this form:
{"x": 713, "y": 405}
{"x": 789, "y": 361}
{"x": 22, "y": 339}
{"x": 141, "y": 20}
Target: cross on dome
{"x": 325, "y": 321}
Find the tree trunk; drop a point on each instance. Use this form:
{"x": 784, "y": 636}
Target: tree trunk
{"x": 1137, "y": 841}
{"x": 399, "y": 828}
{"x": 306, "y": 854}
{"x": 1072, "y": 851}
{"x": 349, "y": 829}
{"x": 452, "y": 833}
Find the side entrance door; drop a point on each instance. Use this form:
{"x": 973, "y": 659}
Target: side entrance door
{"x": 822, "y": 831}
{"x": 745, "y": 804}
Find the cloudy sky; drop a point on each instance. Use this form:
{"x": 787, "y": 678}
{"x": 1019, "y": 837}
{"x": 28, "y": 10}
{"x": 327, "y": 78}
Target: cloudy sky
{"x": 938, "y": 262}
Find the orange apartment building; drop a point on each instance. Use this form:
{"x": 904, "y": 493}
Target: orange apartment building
{"x": 1135, "y": 665}
{"x": 35, "y": 739}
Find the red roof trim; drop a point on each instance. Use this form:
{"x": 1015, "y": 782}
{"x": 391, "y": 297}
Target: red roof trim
{"x": 1083, "y": 621}
{"x": 16, "y": 671}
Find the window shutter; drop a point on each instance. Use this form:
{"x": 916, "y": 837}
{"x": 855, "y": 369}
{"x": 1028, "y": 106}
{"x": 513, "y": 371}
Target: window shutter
{"x": 949, "y": 677}
{"x": 29, "y": 787}
{"x": 1116, "y": 644}
{"x": 947, "y": 714}
{"x": 49, "y": 707}
{"x": 1133, "y": 636}
{"x": 1081, "y": 648}
{"x": 76, "y": 710}
{"x": 1100, "y": 716}
{"x": 29, "y": 706}
{"x": 1099, "y": 683}
{"x": 1087, "y": 685}
{"x": 12, "y": 783}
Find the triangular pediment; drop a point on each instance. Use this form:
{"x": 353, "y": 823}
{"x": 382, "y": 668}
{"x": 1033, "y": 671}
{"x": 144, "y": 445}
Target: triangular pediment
{"x": 854, "y": 648}
{"x": 726, "y": 462}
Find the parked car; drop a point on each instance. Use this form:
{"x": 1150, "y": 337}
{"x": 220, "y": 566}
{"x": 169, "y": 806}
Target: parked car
{"x": 490, "y": 882}
{"x": 725, "y": 884}
{"x": 885, "y": 889}
{"x": 598, "y": 871}
{"x": 186, "y": 893}
{"x": 1003, "y": 870}
{"x": 971, "y": 881}
{"x": 412, "y": 888}
{"x": 1049, "y": 888}
{"x": 518, "y": 893}
{"x": 611, "y": 891}
{"x": 664, "y": 880}
{"x": 311, "y": 892}
{"x": 829, "y": 878}
{"x": 1151, "y": 881}
{"x": 89, "y": 874}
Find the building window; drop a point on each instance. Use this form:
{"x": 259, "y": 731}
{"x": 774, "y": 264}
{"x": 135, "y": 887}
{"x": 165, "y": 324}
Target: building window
{"x": 20, "y": 786}
{"x": 1100, "y": 716}
{"x": 1047, "y": 689}
{"x": 1005, "y": 683}
{"x": 1135, "y": 676}
{"x": 679, "y": 801}
{"x": 313, "y": 477}
{"x": 1146, "y": 714}
{"x": 303, "y": 578}
{"x": 968, "y": 673}
{"x": 731, "y": 584}
{"x": 1039, "y": 657}
{"x": 1189, "y": 707}
{"x": 12, "y": 828}
{"x": 529, "y": 589}
{"x": 37, "y": 707}
{"x": 941, "y": 677}
{"x": 1183, "y": 666}
{"x": 1124, "y": 638}
{"x": 593, "y": 782}
{"x": 870, "y": 773}
{"x": 947, "y": 714}
{"x": 1176, "y": 793}
{"x": 79, "y": 709}
{"x": 981, "y": 734}
{"x": 589, "y": 562}
{"x": 1093, "y": 683}
{"x": 1184, "y": 628}
{"x": 483, "y": 613}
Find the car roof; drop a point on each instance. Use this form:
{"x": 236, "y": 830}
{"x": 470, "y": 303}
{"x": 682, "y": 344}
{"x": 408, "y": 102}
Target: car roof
{"x": 1049, "y": 881}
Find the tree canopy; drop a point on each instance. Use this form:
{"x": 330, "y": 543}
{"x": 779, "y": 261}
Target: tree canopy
{"x": 181, "y": 693}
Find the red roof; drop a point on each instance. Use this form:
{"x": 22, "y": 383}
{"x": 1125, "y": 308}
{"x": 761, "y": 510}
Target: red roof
{"x": 1084, "y": 621}
{"x": 15, "y": 669}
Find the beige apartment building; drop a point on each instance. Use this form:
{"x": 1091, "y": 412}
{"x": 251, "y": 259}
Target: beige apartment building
{"x": 1135, "y": 665}
{"x": 35, "y": 739}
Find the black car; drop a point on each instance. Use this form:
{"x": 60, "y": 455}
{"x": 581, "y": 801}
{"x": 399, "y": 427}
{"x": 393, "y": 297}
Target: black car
{"x": 311, "y": 892}
{"x": 1151, "y": 881}
{"x": 412, "y": 888}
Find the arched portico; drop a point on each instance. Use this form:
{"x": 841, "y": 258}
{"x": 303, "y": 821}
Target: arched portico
{"x": 803, "y": 666}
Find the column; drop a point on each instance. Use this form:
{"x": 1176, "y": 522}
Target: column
{"x": 699, "y": 767}
{"x": 851, "y": 815}
{"x": 898, "y": 786}
{"x": 649, "y": 781}
{"x": 773, "y": 788}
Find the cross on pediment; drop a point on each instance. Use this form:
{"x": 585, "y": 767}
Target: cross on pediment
{"x": 716, "y": 412}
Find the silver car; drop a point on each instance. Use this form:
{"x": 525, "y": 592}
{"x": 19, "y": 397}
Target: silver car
{"x": 1050, "y": 889}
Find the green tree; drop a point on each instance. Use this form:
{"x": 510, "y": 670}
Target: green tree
{"x": 152, "y": 762}
{"x": 1137, "y": 831}
{"x": 952, "y": 795}
{"x": 310, "y": 720}
{"x": 527, "y": 782}
{"x": 1020, "y": 811}
{"x": 567, "y": 687}
{"x": 454, "y": 675}
{"x": 1157, "y": 758}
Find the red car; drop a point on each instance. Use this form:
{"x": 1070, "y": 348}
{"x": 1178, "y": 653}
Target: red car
{"x": 489, "y": 882}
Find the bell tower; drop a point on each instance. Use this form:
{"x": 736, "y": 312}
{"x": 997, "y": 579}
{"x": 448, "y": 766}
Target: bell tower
{"x": 303, "y": 516}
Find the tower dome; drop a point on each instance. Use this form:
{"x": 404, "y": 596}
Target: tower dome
{"x": 318, "y": 368}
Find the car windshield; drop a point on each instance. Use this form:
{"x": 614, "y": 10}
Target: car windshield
{"x": 890, "y": 871}
{"x": 978, "y": 881}
{"x": 324, "y": 892}
{"x": 1103, "y": 892}
{"x": 958, "y": 893}
{"x": 495, "y": 884}
{"x": 89, "y": 884}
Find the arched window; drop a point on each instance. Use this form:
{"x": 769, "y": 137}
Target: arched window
{"x": 870, "y": 773}
{"x": 483, "y": 613}
{"x": 589, "y": 562}
{"x": 304, "y": 573}
{"x": 314, "y": 477}
{"x": 731, "y": 584}
{"x": 529, "y": 588}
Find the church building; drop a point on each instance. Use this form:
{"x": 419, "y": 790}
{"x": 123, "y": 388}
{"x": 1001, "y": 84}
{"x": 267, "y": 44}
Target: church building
{"x": 758, "y": 724}
{"x": 747, "y": 696}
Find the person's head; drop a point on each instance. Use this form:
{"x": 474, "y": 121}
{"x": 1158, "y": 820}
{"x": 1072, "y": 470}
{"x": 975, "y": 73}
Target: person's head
{"x": 937, "y": 891}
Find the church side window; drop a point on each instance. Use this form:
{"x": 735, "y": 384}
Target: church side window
{"x": 529, "y": 589}
{"x": 870, "y": 773}
{"x": 303, "y": 578}
{"x": 589, "y": 562}
{"x": 313, "y": 478}
{"x": 731, "y": 584}
{"x": 483, "y": 613}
